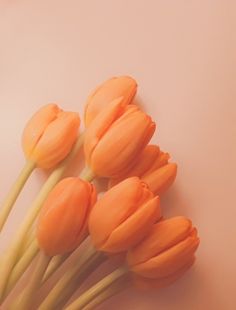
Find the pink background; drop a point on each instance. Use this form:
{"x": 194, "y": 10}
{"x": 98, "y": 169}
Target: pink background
{"x": 182, "y": 54}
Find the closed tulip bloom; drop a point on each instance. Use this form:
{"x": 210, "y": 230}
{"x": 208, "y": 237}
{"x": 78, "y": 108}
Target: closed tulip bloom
{"x": 115, "y": 138}
{"x": 50, "y": 135}
{"x": 123, "y": 86}
{"x": 123, "y": 216}
{"x": 166, "y": 251}
{"x": 152, "y": 158}
{"x": 63, "y": 220}
{"x": 161, "y": 179}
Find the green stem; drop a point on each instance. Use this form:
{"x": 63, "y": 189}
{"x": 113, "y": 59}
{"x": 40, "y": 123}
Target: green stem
{"x": 97, "y": 289}
{"x": 114, "y": 289}
{"x": 72, "y": 279}
{"x": 11, "y": 255}
{"x": 56, "y": 262}
{"x": 25, "y": 300}
{"x": 14, "y": 192}
{"x": 21, "y": 266}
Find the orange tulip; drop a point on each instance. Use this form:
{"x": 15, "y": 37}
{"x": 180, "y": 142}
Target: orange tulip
{"x": 123, "y": 216}
{"x": 63, "y": 220}
{"x": 161, "y": 179}
{"x": 152, "y": 158}
{"x": 123, "y": 86}
{"x": 116, "y": 137}
{"x": 49, "y": 135}
{"x": 166, "y": 251}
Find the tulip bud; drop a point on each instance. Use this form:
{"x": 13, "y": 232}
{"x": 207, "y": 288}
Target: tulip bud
{"x": 161, "y": 179}
{"x": 116, "y": 137}
{"x": 149, "y": 160}
{"x": 49, "y": 136}
{"x": 123, "y": 86}
{"x": 63, "y": 220}
{"x": 166, "y": 251}
{"x": 123, "y": 216}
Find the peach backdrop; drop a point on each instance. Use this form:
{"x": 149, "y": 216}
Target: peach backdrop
{"x": 182, "y": 54}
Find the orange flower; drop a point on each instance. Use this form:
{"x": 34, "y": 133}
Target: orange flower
{"x": 123, "y": 216}
{"x": 166, "y": 252}
{"x": 49, "y": 135}
{"x": 152, "y": 158}
{"x": 161, "y": 179}
{"x": 123, "y": 86}
{"x": 63, "y": 220}
{"x": 116, "y": 137}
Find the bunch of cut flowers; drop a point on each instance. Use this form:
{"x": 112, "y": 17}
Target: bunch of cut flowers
{"x": 68, "y": 218}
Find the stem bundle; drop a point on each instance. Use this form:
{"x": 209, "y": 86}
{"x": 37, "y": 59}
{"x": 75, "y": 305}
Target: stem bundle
{"x": 72, "y": 279}
{"x": 97, "y": 289}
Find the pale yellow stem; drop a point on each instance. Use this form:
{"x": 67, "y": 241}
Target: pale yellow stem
{"x": 29, "y": 239}
{"x": 97, "y": 289}
{"x": 10, "y": 256}
{"x": 114, "y": 289}
{"x": 21, "y": 266}
{"x": 75, "y": 276}
{"x": 56, "y": 262}
{"x": 14, "y": 192}
{"x": 26, "y": 299}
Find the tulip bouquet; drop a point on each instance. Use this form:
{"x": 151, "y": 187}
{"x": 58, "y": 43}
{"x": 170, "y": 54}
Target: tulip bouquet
{"x": 124, "y": 221}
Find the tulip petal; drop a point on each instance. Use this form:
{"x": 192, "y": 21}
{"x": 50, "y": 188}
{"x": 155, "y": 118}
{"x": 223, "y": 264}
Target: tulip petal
{"x": 100, "y": 125}
{"x": 168, "y": 261}
{"x": 147, "y": 284}
{"x": 61, "y": 222}
{"x": 162, "y": 236}
{"x": 36, "y": 126}
{"x": 113, "y": 208}
{"x": 135, "y": 228}
{"x": 84, "y": 228}
{"x": 161, "y": 179}
{"x": 160, "y": 161}
{"x": 143, "y": 163}
{"x": 57, "y": 140}
{"x": 113, "y": 88}
{"x": 126, "y": 138}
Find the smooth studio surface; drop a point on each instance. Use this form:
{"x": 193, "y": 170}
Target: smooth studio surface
{"x": 182, "y": 54}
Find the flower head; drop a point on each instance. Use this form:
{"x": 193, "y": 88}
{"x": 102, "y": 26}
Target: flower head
{"x": 151, "y": 159}
{"x": 166, "y": 251}
{"x": 49, "y": 135}
{"x": 123, "y": 216}
{"x": 116, "y": 137}
{"x": 63, "y": 220}
{"x": 123, "y": 86}
{"x": 161, "y": 179}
